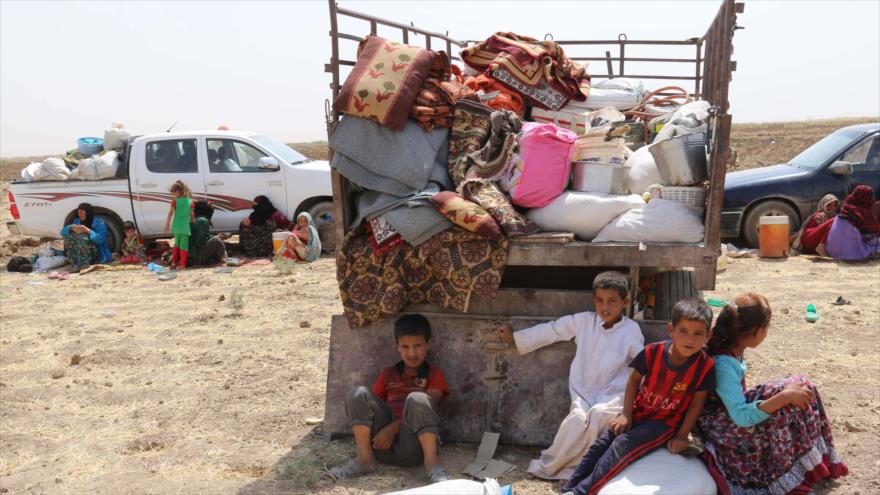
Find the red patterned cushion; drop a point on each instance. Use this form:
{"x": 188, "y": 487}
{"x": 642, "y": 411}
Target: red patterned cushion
{"x": 385, "y": 81}
{"x": 465, "y": 214}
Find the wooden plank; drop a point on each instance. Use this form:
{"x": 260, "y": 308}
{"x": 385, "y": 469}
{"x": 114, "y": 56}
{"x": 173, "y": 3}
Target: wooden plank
{"x": 520, "y": 302}
{"x": 493, "y": 388}
{"x": 609, "y": 254}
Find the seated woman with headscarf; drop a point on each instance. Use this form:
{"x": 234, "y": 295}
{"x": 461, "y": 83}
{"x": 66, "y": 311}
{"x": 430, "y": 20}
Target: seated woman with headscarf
{"x": 255, "y": 231}
{"x": 204, "y": 249}
{"x": 811, "y": 238}
{"x": 855, "y": 233}
{"x": 303, "y": 243}
{"x": 85, "y": 240}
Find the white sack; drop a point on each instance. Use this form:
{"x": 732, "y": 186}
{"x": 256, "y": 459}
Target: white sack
{"x": 55, "y": 169}
{"x": 679, "y": 121}
{"x": 86, "y": 169}
{"x": 115, "y": 138}
{"x": 47, "y": 259}
{"x": 584, "y": 213}
{"x": 642, "y": 170}
{"x": 620, "y": 93}
{"x": 662, "y": 473}
{"x": 34, "y": 171}
{"x": 660, "y": 220}
{"x": 106, "y": 165}
{"x": 458, "y": 487}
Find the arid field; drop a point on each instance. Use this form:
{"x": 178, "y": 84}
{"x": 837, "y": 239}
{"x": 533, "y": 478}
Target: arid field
{"x": 213, "y": 383}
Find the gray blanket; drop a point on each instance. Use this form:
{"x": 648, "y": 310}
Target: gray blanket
{"x": 380, "y": 159}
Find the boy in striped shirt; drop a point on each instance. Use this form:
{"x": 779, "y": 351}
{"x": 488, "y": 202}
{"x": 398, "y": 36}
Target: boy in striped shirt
{"x": 664, "y": 396}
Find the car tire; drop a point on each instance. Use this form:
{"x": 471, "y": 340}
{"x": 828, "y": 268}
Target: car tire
{"x": 768, "y": 208}
{"x": 669, "y": 288}
{"x": 115, "y": 230}
{"x": 325, "y": 221}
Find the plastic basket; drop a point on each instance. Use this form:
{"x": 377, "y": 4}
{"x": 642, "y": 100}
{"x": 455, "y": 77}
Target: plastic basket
{"x": 692, "y": 196}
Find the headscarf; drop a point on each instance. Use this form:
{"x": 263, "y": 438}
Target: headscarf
{"x": 263, "y": 210}
{"x": 204, "y": 209}
{"x": 90, "y": 214}
{"x": 858, "y": 209}
{"x": 821, "y": 207}
{"x": 313, "y": 247}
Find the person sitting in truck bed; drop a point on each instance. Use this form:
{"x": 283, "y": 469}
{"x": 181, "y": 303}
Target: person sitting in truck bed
{"x": 85, "y": 239}
{"x": 396, "y": 422}
{"x": 607, "y": 341}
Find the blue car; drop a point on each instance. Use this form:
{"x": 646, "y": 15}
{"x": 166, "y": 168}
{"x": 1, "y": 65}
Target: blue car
{"x": 835, "y": 164}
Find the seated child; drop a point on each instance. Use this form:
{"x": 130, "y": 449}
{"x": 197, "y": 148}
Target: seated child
{"x": 664, "y": 397}
{"x": 397, "y": 423}
{"x": 133, "y": 251}
{"x": 606, "y": 342}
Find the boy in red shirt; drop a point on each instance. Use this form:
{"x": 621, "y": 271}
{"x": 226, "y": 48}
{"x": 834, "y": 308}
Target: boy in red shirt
{"x": 664, "y": 396}
{"x": 397, "y": 422}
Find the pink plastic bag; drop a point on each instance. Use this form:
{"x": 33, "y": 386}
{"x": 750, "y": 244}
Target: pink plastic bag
{"x": 542, "y": 168}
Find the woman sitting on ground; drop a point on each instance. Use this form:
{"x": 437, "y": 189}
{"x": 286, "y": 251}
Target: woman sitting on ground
{"x": 85, "y": 240}
{"x": 855, "y": 233}
{"x": 255, "y": 231}
{"x": 303, "y": 243}
{"x": 204, "y": 249}
{"x": 773, "y": 438}
{"x": 814, "y": 232}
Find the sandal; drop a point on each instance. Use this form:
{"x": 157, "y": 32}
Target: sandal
{"x": 437, "y": 474}
{"x": 839, "y": 302}
{"x": 351, "y": 469}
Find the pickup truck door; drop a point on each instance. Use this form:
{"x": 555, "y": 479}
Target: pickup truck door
{"x": 233, "y": 179}
{"x": 159, "y": 163}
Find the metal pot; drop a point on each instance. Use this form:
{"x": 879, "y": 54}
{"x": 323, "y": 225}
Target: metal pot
{"x": 681, "y": 160}
{"x": 599, "y": 177}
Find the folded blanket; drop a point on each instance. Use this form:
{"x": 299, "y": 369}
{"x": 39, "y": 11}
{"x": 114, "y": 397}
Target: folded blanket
{"x": 380, "y": 159}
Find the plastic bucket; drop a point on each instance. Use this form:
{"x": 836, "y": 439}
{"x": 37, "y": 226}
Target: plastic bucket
{"x": 278, "y": 240}
{"x": 773, "y": 237}
{"x": 88, "y": 146}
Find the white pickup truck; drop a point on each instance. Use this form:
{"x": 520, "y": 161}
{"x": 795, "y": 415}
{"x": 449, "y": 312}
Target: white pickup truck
{"x": 228, "y": 168}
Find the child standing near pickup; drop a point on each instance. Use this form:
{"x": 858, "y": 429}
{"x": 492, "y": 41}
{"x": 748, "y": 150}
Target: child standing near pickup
{"x": 606, "y": 342}
{"x": 182, "y": 213}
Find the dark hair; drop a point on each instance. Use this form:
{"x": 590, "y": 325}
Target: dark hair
{"x": 694, "y": 309}
{"x": 203, "y": 209}
{"x": 744, "y": 316}
{"x": 90, "y": 214}
{"x": 612, "y": 280}
{"x": 416, "y": 325}
{"x": 128, "y": 225}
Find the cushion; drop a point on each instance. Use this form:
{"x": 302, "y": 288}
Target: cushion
{"x": 466, "y": 214}
{"x": 662, "y": 473}
{"x": 385, "y": 81}
{"x": 584, "y": 213}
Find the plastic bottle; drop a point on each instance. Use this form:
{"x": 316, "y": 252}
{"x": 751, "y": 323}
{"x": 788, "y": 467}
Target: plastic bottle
{"x": 716, "y": 302}
{"x": 812, "y": 315}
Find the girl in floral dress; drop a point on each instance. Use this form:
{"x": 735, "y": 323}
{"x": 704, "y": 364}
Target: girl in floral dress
{"x": 771, "y": 439}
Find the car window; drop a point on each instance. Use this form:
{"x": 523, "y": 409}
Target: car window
{"x": 867, "y": 152}
{"x": 826, "y": 148}
{"x": 231, "y": 156}
{"x": 172, "y": 156}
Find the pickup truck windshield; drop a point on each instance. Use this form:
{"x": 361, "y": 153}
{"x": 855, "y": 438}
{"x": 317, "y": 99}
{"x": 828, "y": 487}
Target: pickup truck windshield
{"x": 828, "y": 147}
{"x": 285, "y": 152}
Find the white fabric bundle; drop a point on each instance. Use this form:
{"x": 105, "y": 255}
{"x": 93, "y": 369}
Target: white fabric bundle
{"x": 48, "y": 169}
{"x": 583, "y": 213}
{"x": 642, "y": 170}
{"x": 621, "y": 93}
{"x": 660, "y": 220}
{"x": 662, "y": 473}
{"x": 97, "y": 167}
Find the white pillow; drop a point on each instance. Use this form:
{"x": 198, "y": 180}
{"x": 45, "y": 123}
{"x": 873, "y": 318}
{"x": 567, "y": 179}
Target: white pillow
{"x": 584, "y": 213}
{"x": 660, "y": 220}
{"x": 662, "y": 473}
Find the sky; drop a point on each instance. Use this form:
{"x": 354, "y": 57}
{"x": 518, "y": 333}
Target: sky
{"x": 69, "y": 69}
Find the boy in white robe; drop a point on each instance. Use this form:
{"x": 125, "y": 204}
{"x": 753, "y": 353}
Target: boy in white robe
{"x": 606, "y": 343}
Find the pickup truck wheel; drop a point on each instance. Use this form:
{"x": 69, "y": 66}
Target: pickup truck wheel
{"x": 768, "y": 208}
{"x": 115, "y": 240}
{"x": 671, "y": 287}
{"x": 325, "y": 222}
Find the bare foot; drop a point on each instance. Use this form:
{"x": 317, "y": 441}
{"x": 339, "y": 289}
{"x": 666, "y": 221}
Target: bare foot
{"x": 820, "y": 250}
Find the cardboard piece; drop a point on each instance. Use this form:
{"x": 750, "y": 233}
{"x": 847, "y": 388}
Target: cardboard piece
{"x": 484, "y": 466}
